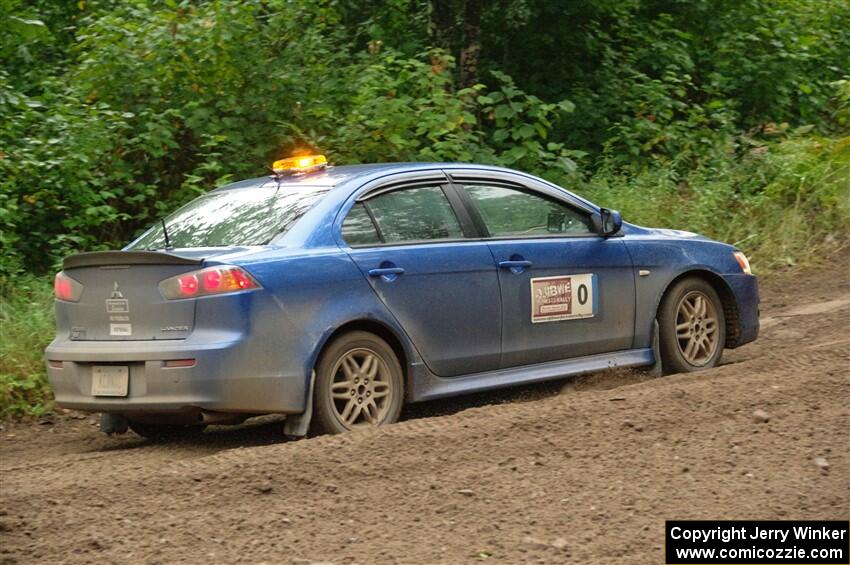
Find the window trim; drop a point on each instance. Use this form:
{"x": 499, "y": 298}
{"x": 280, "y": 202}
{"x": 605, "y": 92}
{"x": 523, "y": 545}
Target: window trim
{"x": 451, "y": 181}
{"x": 372, "y": 219}
{"x": 459, "y": 175}
{"x": 481, "y": 225}
{"x": 415, "y": 242}
{"x": 391, "y": 186}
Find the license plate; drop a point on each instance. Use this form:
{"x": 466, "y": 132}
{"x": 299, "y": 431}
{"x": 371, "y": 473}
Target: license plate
{"x": 110, "y": 380}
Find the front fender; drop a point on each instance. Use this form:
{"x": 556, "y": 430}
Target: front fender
{"x": 661, "y": 261}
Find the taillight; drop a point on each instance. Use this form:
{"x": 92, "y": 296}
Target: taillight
{"x": 188, "y": 285}
{"x": 67, "y": 289}
{"x": 212, "y": 280}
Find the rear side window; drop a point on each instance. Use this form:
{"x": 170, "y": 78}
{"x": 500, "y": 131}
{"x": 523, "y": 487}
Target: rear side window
{"x": 510, "y": 212}
{"x": 240, "y": 216}
{"x": 411, "y": 214}
{"x": 358, "y": 229}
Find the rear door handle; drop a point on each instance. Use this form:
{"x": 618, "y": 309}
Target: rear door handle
{"x": 514, "y": 264}
{"x": 386, "y": 271}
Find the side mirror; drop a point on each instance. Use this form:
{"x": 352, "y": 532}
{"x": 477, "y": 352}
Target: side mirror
{"x": 610, "y": 222}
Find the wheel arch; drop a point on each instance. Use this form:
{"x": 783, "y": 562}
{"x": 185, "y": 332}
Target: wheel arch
{"x": 399, "y": 346}
{"x": 727, "y": 300}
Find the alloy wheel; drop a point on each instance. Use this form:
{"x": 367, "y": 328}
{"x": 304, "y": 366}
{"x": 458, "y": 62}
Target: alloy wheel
{"x": 361, "y": 390}
{"x": 697, "y": 328}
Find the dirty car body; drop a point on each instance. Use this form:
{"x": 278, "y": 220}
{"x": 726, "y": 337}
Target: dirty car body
{"x": 430, "y": 257}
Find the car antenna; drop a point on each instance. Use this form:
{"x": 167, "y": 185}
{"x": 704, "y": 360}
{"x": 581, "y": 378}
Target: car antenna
{"x": 165, "y": 232}
{"x": 278, "y": 178}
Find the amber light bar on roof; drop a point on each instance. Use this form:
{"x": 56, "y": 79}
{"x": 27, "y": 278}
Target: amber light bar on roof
{"x": 301, "y": 164}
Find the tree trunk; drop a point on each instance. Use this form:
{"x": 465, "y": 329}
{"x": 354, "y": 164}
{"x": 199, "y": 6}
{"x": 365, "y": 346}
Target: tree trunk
{"x": 470, "y": 55}
{"x": 441, "y": 24}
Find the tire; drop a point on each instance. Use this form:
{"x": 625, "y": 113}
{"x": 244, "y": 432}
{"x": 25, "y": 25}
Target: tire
{"x": 358, "y": 383}
{"x": 692, "y": 327}
{"x": 166, "y": 431}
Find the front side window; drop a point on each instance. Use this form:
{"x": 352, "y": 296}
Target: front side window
{"x": 411, "y": 214}
{"x": 510, "y": 212}
{"x": 241, "y": 216}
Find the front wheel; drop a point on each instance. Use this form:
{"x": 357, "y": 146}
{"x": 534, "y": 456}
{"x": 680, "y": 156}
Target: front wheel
{"x": 692, "y": 327}
{"x": 358, "y": 383}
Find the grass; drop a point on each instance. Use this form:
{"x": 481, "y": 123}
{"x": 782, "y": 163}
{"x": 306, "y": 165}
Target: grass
{"x": 26, "y": 327}
{"x": 784, "y": 204}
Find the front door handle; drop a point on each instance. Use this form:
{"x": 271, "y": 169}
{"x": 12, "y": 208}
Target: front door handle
{"x": 516, "y": 263}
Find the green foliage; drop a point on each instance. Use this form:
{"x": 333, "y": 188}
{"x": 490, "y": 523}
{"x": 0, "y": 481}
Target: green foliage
{"x": 840, "y": 104}
{"x": 26, "y": 327}
{"x": 668, "y": 79}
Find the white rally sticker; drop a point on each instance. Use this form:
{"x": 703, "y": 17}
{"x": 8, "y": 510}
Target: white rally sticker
{"x": 117, "y": 305}
{"x": 567, "y": 297}
{"x": 120, "y": 329}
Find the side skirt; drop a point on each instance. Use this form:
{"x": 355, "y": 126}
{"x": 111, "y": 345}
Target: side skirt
{"x": 427, "y": 386}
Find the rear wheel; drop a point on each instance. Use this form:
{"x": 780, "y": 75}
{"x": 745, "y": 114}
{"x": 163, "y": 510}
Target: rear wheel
{"x": 692, "y": 327}
{"x": 358, "y": 384}
{"x": 166, "y": 431}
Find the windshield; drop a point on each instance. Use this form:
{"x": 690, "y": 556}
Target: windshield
{"x": 243, "y": 216}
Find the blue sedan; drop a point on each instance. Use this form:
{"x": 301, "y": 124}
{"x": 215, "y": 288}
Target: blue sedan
{"x": 335, "y": 295}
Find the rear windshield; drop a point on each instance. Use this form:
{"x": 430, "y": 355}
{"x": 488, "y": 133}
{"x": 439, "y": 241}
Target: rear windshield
{"x": 242, "y": 216}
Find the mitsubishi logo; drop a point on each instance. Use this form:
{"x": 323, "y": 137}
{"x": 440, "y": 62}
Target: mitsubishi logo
{"x": 116, "y": 292}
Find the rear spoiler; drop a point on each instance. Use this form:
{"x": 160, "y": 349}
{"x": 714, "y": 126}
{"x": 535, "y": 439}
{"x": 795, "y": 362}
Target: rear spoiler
{"x": 114, "y": 258}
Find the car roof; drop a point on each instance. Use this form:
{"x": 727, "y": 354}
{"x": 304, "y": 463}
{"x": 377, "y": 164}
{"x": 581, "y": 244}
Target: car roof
{"x": 335, "y": 176}
{"x": 314, "y": 229}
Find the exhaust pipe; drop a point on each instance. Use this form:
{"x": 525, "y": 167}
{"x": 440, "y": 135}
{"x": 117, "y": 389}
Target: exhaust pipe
{"x": 113, "y": 423}
{"x": 206, "y": 417}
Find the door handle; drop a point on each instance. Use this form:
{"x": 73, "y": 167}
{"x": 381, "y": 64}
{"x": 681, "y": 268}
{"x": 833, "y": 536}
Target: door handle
{"x": 514, "y": 264}
{"x": 386, "y": 271}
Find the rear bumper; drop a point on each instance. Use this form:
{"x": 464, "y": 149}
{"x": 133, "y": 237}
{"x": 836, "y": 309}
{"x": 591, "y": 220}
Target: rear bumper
{"x": 225, "y": 378}
{"x": 746, "y": 292}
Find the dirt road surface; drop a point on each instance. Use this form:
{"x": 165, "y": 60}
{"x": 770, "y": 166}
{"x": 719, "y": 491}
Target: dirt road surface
{"x": 579, "y": 471}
